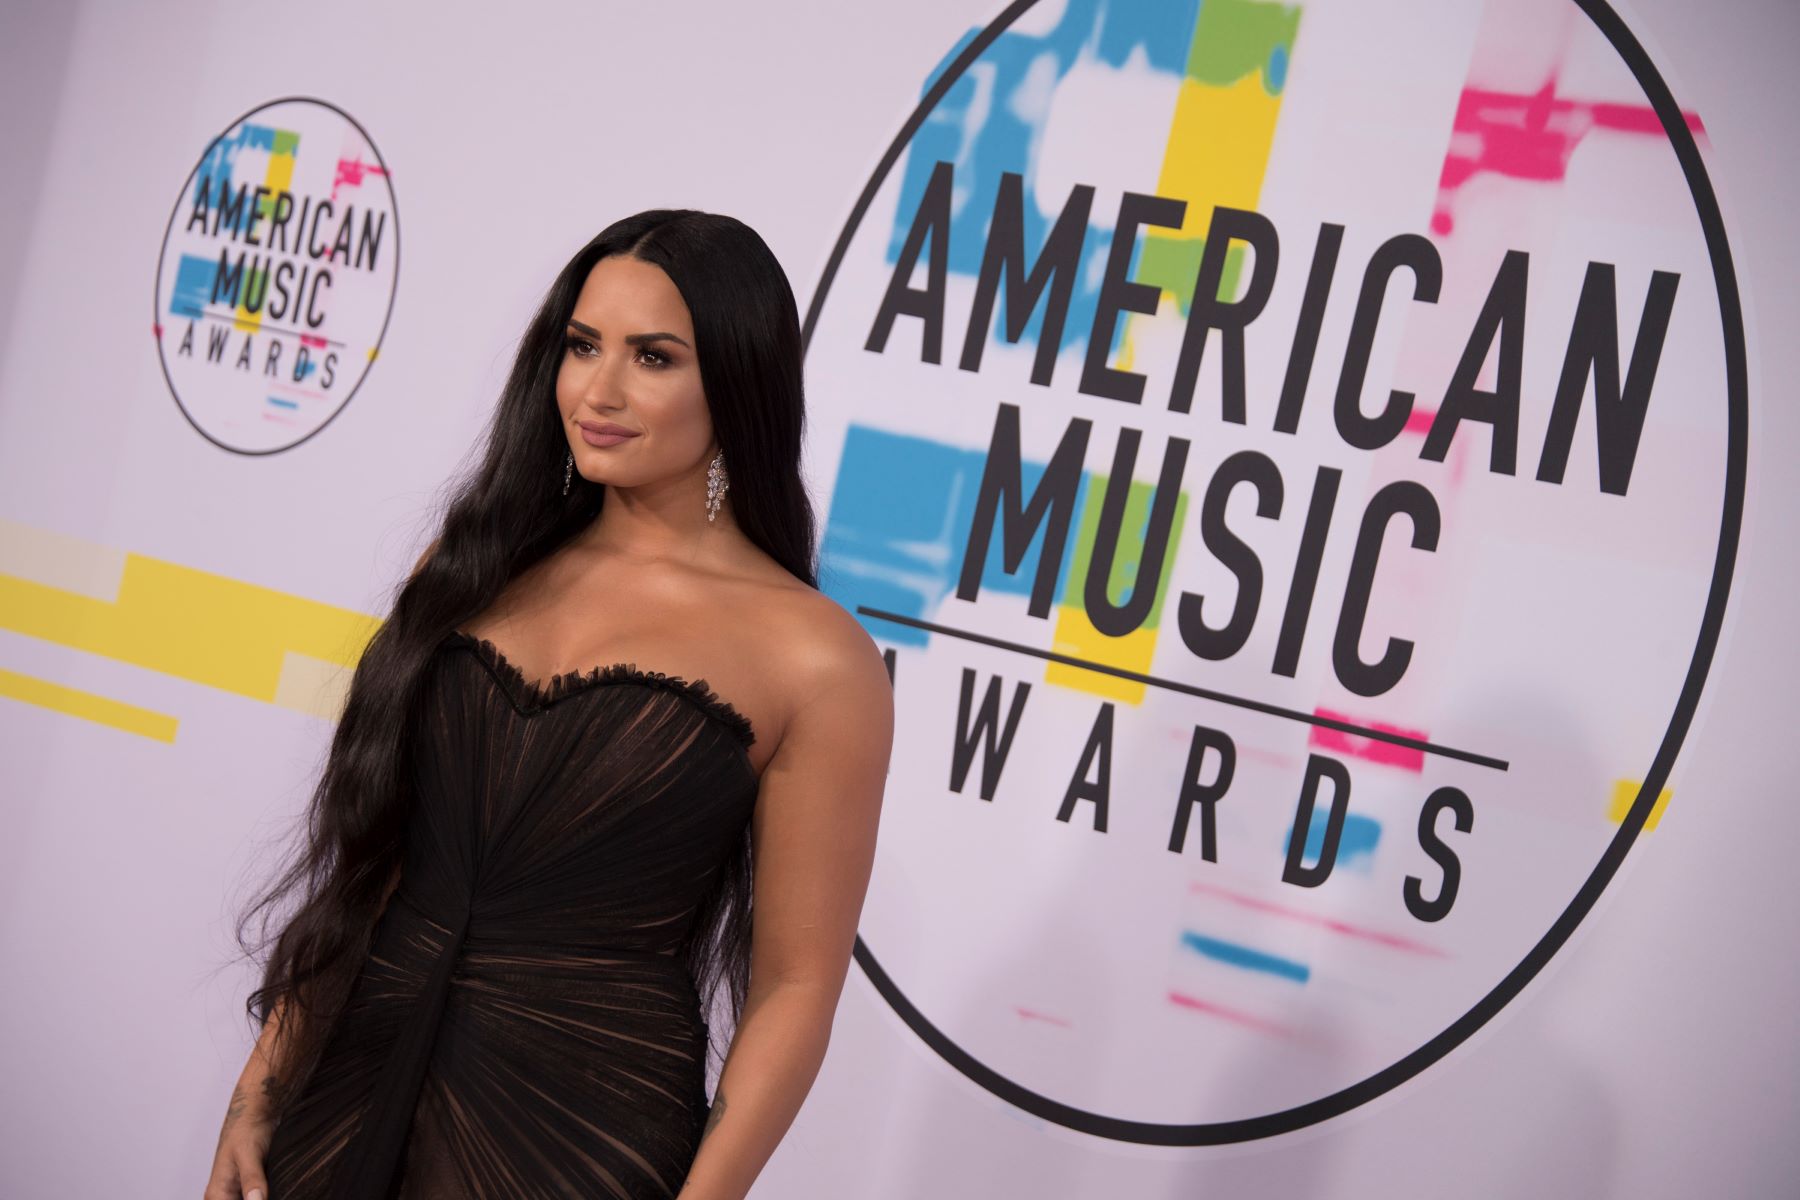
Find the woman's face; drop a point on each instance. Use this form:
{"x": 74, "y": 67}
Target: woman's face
{"x": 628, "y": 362}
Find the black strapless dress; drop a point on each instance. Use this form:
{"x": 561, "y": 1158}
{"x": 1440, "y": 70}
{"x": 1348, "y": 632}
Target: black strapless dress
{"x": 523, "y": 1025}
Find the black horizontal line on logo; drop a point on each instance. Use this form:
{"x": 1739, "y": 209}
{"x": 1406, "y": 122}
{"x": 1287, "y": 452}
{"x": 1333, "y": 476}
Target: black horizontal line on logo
{"x": 265, "y": 323}
{"x": 1274, "y": 710}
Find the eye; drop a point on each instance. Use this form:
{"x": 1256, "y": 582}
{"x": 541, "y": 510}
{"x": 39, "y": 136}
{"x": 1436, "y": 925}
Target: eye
{"x": 574, "y": 344}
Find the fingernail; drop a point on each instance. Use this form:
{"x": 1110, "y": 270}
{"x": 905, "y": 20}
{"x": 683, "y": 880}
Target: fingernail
{"x": 254, "y": 1194}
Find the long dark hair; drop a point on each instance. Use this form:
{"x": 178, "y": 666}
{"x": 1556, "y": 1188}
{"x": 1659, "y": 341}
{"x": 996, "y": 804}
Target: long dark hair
{"x": 504, "y": 516}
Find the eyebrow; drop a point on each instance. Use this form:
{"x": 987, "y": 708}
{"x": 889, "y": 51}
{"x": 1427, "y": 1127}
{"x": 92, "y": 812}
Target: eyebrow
{"x": 632, "y": 339}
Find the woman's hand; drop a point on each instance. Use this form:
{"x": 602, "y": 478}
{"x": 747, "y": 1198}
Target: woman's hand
{"x": 237, "y": 1172}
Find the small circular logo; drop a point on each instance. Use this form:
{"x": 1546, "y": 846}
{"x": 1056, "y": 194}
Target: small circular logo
{"x": 277, "y": 275}
{"x": 1295, "y": 465}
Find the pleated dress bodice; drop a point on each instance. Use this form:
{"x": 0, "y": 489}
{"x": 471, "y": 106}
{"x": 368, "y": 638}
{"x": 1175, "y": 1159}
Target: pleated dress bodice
{"x": 525, "y": 1023}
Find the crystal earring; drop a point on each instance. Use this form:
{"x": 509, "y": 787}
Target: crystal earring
{"x": 716, "y": 483}
{"x": 568, "y": 471}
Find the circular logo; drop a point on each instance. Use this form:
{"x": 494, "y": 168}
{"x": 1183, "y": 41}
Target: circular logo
{"x": 277, "y": 275}
{"x": 1294, "y": 461}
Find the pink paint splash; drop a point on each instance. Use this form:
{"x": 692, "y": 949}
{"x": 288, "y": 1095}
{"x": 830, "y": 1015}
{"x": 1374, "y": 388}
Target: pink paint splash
{"x": 1256, "y": 753}
{"x": 1235, "y": 1016}
{"x": 1033, "y": 1015}
{"x": 351, "y": 172}
{"x": 1407, "y": 758}
{"x": 1391, "y": 940}
{"x": 1528, "y": 137}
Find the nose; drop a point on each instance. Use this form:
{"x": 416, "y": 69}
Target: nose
{"x": 604, "y": 387}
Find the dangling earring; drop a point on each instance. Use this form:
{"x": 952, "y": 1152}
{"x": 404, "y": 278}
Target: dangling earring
{"x": 716, "y": 483}
{"x": 568, "y": 471}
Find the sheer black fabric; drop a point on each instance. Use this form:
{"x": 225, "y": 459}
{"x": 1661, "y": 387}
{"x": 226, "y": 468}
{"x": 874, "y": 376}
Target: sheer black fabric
{"x": 524, "y": 1025}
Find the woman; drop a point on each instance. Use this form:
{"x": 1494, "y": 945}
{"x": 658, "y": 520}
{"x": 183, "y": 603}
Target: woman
{"x": 532, "y": 852}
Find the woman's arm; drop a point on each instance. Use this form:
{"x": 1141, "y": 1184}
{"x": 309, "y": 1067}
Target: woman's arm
{"x": 249, "y": 1121}
{"x": 254, "y": 1094}
{"x": 265, "y": 1070}
{"x": 237, "y": 1169}
{"x": 813, "y": 845}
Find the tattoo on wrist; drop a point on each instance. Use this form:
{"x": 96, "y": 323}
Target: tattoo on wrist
{"x": 239, "y": 1103}
{"x": 712, "y": 1117}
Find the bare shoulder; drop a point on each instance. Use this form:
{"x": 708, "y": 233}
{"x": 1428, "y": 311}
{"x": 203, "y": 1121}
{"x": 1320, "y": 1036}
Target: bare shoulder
{"x": 825, "y": 644}
{"x": 830, "y": 669}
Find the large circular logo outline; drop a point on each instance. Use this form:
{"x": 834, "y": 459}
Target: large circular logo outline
{"x": 175, "y": 211}
{"x": 1731, "y": 316}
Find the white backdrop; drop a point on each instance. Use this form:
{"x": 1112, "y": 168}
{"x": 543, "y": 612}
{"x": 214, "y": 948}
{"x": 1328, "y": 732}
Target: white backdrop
{"x": 150, "y": 760}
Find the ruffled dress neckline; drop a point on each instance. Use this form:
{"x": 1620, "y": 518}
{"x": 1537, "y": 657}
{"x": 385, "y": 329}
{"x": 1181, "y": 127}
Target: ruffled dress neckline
{"x": 529, "y": 697}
